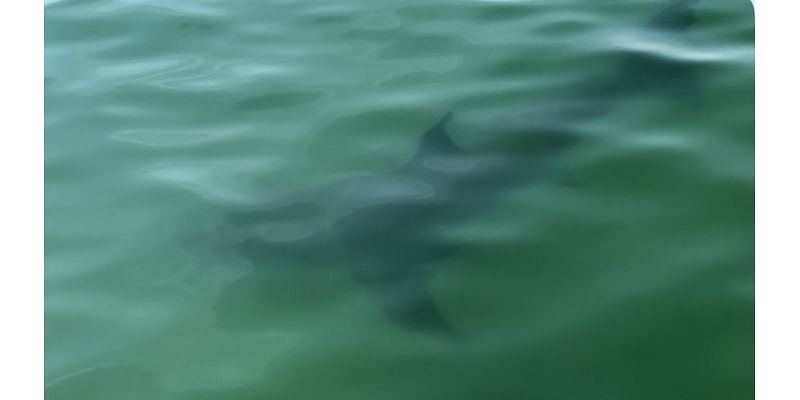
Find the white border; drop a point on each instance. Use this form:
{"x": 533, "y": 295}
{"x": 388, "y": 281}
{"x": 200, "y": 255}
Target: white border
{"x": 22, "y": 201}
{"x": 777, "y": 170}
{"x": 777, "y": 201}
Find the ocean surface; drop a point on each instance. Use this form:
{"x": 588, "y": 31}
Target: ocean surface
{"x": 456, "y": 199}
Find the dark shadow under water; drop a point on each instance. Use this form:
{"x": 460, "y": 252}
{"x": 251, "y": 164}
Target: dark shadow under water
{"x": 387, "y": 236}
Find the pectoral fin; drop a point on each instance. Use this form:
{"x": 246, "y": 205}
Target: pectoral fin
{"x": 408, "y": 301}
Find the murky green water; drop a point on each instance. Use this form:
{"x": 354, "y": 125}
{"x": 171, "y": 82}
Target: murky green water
{"x": 240, "y": 203}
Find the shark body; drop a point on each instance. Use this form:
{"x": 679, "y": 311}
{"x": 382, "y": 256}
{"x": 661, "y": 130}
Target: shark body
{"x": 388, "y": 233}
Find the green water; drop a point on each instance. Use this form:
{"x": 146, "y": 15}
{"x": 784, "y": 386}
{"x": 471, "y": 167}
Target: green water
{"x": 623, "y": 269}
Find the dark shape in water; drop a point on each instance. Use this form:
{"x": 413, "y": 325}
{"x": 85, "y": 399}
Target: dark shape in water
{"x": 388, "y": 233}
{"x": 387, "y": 240}
{"x": 676, "y": 16}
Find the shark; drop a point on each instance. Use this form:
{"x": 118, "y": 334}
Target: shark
{"x": 386, "y": 231}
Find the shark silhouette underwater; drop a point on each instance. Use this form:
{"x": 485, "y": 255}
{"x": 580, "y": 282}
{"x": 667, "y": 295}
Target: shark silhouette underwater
{"x": 386, "y": 231}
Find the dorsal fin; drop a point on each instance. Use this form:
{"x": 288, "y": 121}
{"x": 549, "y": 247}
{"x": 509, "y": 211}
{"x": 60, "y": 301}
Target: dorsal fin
{"x": 436, "y": 142}
{"x": 437, "y": 139}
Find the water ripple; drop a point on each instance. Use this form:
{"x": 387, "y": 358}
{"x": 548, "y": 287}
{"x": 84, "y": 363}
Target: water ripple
{"x": 167, "y": 120}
